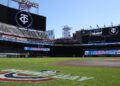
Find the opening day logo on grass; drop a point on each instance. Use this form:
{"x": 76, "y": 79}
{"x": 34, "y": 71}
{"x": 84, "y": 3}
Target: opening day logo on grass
{"x": 13, "y": 75}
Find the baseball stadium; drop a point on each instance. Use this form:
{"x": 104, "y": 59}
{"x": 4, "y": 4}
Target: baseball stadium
{"x": 28, "y": 57}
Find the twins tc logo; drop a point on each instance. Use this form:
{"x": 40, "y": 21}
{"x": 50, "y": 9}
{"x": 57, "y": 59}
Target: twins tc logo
{"x": 23, "y": 19}
{"x": 113, "y": 31}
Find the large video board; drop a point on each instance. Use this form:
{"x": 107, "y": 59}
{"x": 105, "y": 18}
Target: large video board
{"x": 22, "y": 19}
{"x": 111, "y": 31}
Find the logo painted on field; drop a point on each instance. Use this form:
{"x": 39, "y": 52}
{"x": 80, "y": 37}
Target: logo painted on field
{"x": 22, "y": 77}
{"x": 13, "y": 75}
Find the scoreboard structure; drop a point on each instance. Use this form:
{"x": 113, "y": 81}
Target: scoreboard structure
{"x": 24, "y": 19}
{"x": 99, "y": 35}
{"x": 23, "y": 33}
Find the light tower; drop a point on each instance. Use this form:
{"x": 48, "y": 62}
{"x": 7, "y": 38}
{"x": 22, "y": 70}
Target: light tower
{"x": 25, "y": 5}
{"x": 66, "y": 32}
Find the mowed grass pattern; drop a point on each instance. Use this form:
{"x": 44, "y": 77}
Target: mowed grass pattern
{"x": 103, "y": 76}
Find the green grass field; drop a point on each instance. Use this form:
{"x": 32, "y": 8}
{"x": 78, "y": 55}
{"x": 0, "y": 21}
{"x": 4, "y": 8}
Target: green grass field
{"x": 103, "y": 76}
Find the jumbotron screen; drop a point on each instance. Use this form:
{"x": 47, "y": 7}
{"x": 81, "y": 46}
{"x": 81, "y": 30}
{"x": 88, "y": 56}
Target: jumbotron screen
{"x": 21, "y": 18}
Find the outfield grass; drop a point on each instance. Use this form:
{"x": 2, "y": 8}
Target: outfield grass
{"x": 103, "y": 76}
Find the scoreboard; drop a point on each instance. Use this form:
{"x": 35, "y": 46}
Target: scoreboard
{"x": 22, "y": 19}
{"x": 111, "y": 31}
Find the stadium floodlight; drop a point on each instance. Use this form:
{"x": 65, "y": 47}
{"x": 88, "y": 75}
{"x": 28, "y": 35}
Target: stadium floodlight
{"x": 26, "y": 5}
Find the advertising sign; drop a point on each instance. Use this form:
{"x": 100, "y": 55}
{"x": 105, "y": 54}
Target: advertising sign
{"x": 102, "y": 52}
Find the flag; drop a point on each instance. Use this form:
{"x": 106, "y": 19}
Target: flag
{"x": 98, "y": 26}
{"x": 90, "y": 27}
{"x": 104, "y": 25}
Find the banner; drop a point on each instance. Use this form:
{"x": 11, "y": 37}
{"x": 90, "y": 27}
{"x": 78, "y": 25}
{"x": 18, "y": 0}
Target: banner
{"x": 36, "y": 49}
{"x": 102, "y": 52}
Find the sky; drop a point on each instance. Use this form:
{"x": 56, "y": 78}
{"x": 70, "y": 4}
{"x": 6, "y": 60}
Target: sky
{"x": 77, "y": 14}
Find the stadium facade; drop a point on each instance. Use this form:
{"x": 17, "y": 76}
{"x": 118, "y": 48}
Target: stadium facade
{"x": 103, "y": 41}
{"x": 24, "y": 34}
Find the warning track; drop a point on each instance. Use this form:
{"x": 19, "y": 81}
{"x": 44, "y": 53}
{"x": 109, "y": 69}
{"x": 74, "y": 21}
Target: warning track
{"x": 96, "y": 63}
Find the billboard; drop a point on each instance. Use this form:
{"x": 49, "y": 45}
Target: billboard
{"x": 22, "y": 19}
{"x": 36, "y": 49}
{"x": 102, "y": 52}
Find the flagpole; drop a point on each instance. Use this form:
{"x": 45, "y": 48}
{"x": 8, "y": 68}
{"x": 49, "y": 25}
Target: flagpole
{"x": 37, "y": 10}
{"x": 90, "y": 34}
{"x": 8, "y": 3}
